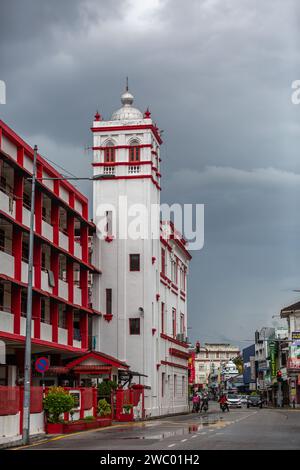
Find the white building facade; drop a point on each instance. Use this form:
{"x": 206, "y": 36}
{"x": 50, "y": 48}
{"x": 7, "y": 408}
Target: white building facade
{"x": 211, "y": 359}
{"x": 143, "y": 289}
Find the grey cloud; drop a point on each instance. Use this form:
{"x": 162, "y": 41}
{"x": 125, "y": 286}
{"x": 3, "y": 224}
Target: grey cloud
{"x": 217, "y": 76}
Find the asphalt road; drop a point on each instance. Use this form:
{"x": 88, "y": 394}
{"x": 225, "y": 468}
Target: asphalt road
{"x": 239, "y": 429}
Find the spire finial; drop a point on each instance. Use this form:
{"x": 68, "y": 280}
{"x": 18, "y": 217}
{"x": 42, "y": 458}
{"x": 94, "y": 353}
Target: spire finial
{"x": 127, "y": 84}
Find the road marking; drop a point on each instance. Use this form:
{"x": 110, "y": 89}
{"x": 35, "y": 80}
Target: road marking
{"x": 171, "y": 445}
{"x": 193, "y": 437}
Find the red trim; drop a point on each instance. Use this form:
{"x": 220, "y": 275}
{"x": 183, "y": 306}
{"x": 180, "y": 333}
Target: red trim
{"x": 101, "y": 357}
{"x": 53, "y": 244}
{"x": 129, "y": 128}
{"x": 40, "y": 342}
{"x": 173, "y": 340}
{"x": 19, "y": 142}
{"x": 174, "y": 364}
{"x": 108, "y": 317}
{"x": 116, "y": 147}
{"x": 133, "y": 177}
{"x": 135, "y": 163}
{"x": 178, "y": 353}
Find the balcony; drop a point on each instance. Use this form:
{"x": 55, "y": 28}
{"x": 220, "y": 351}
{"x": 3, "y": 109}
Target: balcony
{"x": 7, "y": 263}
{"x": 23, "y": 327}
{"x": 76, "y": 338}
{"x": 7, "y": 203}
{"x": 45, "y": 281}
{"x": 77, "y": 250}
{"x": 63, "y": 289}
{"x": 62, "y": 336}
{"x": 77, "y": 295}
{"x": 6, "y": 321}
{"x": 46, "y": 332}
{"x": 63, "y": 241}
{"x": 47, "y": 230}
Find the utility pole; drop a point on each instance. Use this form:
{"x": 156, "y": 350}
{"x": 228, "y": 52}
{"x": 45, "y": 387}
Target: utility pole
{"x": 27, "y": 367}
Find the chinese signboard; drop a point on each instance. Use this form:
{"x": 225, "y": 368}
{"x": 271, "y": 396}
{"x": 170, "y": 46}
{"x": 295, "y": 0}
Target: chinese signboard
{"x": 294, "y": 363}
{"x": 272, "y": 349}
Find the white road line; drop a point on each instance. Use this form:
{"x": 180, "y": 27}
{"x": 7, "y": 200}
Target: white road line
{"x": 184, "y": 440}
{"x": 171, "y": 445}
{"x": 193, "y": 437}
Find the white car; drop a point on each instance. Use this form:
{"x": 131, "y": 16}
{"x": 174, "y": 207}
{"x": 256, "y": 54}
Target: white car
{"x": 234, "y": 401}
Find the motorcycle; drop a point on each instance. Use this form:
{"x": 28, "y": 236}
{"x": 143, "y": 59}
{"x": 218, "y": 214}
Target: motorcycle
{"x": 224, "y": 407}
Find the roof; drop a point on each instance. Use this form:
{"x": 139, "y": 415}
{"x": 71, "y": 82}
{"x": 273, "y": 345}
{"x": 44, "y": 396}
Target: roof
{"x": 101, "y": 357}
{"x": 290, "y": 309}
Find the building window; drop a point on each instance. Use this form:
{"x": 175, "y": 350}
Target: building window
{"x": 25, "y": 250}
{"x": 163, "y": 261}
{"x": 174, "y": 322}
{"x": 108, "y": 301}
{"x": 162, "y": 317}
{"x": 43, "y": 311}
{"x": 134, "y": 261}
{"x": 62, "y": 320}
{"x": 109, "y": 154}
{"x": 134, "y": 326}
{"x": 182, "y": 326}
{"x": 175, "y": 384}
{"x": 134, "y": 153}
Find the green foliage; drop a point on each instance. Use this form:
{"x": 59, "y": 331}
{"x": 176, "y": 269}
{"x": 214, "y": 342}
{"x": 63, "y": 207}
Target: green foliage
{"x": 89, "y": 418}
{"x": 238, "y": 361}
{"x": 127, "y": 408}
{"x": 104, "y": 408}
{"x": 56, "y": 402}
{"x": 105, "y": 388}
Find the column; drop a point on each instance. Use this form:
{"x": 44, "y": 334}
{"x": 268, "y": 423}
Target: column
{"x": 54, "y": 269}
{"x": 17, "y": 251}
{"x": 16, "y": 307}
{"x": 70, "y": 279}
{"x": 36, "y": 314}
{"x": 54, "y": 320}
{"x": 84, "y": 286}
{"x": 18, "y": 192}
{"x": 37, "y": 262}
{"x": 84, "y": 239}
{"x": 71, "y": 225}
{"x": 84, "y": 330}
{"x": 55, "y": 221}
{"x": 70, "y": 325}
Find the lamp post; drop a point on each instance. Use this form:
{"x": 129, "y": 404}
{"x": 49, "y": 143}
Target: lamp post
{"x": 27, "y": 366}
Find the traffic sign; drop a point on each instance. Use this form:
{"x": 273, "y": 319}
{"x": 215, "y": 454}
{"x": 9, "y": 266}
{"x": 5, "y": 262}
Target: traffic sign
{"x": 42, "y": 364}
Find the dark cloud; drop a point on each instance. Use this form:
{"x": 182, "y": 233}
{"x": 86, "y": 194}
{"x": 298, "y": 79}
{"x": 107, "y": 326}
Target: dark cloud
{"x": 217, "y": 76}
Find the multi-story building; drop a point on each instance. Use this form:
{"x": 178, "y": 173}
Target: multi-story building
{"x": 211, "y": 359}
{"x": 249, "y": 368}
{"x": 62, "y": 312}
{"x": 292, "y": 349}
{"x": 143, "y": 291}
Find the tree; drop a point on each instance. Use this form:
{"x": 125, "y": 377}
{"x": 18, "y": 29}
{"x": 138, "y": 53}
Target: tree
{"x": 238, "y": 361}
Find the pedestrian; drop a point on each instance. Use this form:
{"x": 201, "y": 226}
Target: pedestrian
{"x": 196, "y": 403}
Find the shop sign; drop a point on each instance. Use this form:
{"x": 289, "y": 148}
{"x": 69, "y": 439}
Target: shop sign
{"x": 293, "y": 363}
{"x": 272, "y": 348}
{"x": 295, "y": 335}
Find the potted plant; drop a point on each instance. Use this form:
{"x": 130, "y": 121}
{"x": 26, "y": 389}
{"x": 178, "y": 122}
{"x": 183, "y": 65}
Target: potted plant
{"x": 57, "y": 402}
{"x": 127, "y": 409}
{"x": 104, "y": 413}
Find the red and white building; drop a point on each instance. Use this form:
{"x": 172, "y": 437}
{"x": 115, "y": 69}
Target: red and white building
{"x": 143, "y": 288}
{"x": 62, "y": 311}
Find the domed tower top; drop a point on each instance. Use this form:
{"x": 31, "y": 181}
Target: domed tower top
{"x": 127, "y": 112}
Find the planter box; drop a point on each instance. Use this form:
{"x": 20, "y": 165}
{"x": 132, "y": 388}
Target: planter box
{"x": 125, "y": 417}
{"x": 54, "y": 428}
{"x": 91, "y": 424}
{"x": 102, "y": 422}
{"x": 73, "y": 426}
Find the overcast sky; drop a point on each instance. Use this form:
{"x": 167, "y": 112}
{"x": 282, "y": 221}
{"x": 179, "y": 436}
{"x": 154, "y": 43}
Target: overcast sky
{"x": 217, "y": 77}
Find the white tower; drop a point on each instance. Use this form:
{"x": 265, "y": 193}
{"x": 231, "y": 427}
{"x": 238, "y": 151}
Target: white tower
{"x": 140, "y": 305}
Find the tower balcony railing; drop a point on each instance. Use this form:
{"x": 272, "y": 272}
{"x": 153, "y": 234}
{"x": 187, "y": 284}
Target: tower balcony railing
{"x": 109, "y": 170}
{"x": 134, "y": 169}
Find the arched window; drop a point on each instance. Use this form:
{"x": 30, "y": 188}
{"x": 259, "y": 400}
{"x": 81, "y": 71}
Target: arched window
{"x": 134, "y": 151}
{"x": 109, "y": 153}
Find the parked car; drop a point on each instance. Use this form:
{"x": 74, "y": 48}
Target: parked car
{"x": 234, "y": 401}
{"x": 255, "y": 401}
{"x": 244, "y": 399}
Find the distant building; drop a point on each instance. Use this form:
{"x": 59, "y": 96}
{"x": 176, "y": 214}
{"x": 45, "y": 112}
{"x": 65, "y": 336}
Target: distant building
{"x": 210, "y": 359}
{"x": 292, "y": 349}
{"x": 249, "y": 371}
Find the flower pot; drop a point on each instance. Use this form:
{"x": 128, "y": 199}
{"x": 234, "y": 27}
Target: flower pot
{"x": 54, "y": 428}
{"x": 125, "y": 417}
